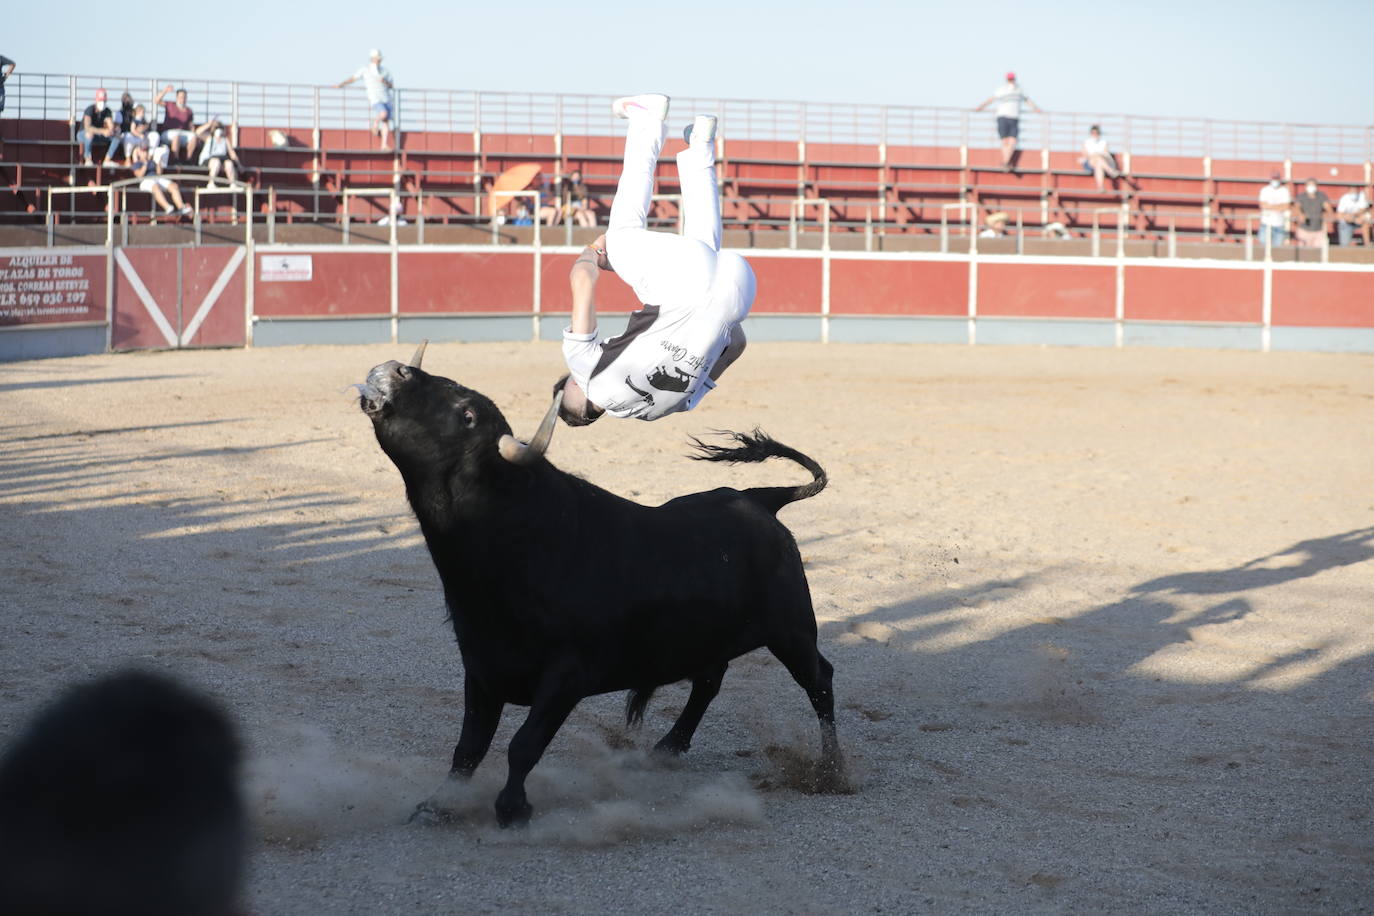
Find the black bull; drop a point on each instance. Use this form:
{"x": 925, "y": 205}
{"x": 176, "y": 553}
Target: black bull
{"x": 560, "y": 590}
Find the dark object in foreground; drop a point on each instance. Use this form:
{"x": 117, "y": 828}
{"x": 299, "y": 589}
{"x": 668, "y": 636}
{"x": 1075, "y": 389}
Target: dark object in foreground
{"x": 120, "y": 798}
{"x": 560, "y": 590}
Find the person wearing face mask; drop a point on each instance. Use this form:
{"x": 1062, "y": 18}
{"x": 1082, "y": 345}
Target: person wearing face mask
{"x": 217, "y": 153}
{"x": 1276, "y": 205}
{"x": 1353, "y": 212}
{"x": 1315, "y": 208}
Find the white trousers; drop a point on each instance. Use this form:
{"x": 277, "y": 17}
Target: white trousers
{"x": 687, "y": 271}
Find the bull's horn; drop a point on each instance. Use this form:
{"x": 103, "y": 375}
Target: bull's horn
{"x": 419, "y": 353}
{"x": 517, "y": 452}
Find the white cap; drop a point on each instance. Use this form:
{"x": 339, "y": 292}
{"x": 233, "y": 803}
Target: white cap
{"x": 374, "y": 53}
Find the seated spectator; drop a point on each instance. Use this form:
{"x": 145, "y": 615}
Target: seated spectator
{"x": 97, "y": 126}
{"x": 178, "y": 125}
{"x": 124, "y": 119}
{"x": 158, "y": 186}
{"x": 136, "y": 132}
{"x": 523, "y": 216}
{"x": 996, "y": 226}
{"x": 550, "y": 208}
{"x": 1276, "y": 204}
{"x": 217, "y": 153}
{"x": 1096, "y": 158}
{"x": 1352, "y": 210}
{"x": 576, "y": 203}
{"x": 1315, "y": 208}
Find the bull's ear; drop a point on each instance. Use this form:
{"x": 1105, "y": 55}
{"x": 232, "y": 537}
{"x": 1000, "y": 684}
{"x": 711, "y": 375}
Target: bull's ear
{"x": 517, "y": 452}
{"x": 419, "y": 354}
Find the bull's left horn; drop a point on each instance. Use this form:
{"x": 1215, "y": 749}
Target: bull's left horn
{"x": 517, "y": 452}
{"x": 419, "y": 354}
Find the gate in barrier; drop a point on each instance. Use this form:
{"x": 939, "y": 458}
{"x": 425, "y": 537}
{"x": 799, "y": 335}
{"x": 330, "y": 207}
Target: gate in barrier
{"x": 179, "y": 297}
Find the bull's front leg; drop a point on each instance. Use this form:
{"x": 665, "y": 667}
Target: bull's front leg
{"x": 481, "y": 716}
{"x": 547, "y": 714}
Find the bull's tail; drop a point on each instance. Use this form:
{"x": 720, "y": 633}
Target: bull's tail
{"x": 759, "y": 446}
{"x": 635, "y": 701}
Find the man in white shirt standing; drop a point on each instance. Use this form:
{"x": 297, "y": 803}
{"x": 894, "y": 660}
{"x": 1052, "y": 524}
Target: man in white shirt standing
{"x": 378, "y": 85}
{"x": 1352, "y": 210}
{"x": 694, "y": 295}
{"x": 1276, "y": 206}
{"x": 1009, "y": 97}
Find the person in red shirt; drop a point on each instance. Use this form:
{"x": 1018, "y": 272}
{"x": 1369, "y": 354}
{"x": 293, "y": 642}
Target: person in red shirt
{"x": 178, "y": 125}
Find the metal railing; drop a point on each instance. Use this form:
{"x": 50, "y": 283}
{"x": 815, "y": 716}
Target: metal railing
{"x": 305, "y": 110}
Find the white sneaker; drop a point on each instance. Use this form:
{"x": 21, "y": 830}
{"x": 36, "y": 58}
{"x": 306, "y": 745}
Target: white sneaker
{"x": 702, "y": 130}
{"x": 650, "y": 104}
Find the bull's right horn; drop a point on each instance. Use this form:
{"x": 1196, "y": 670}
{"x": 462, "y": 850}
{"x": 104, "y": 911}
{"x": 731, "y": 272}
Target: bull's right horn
{"x": 517, "y": 452}
{"x": 419, "y": 354}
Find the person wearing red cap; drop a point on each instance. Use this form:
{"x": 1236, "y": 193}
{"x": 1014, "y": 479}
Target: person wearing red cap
{"x": 97, "y": 121}
{"x": 1009, "y": 97}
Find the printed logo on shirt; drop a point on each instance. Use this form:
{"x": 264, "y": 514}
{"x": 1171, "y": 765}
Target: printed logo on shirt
{"x": 663, "y": 381}
{"x": 643, "y": 394}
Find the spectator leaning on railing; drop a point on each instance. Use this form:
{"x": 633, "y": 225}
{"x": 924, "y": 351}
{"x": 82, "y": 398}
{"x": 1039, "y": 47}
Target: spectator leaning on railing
{"x": 1352, "y": 210}
{"x": 1315, "y": 207}
{"x": 1276, "y": 204}
{"x": 178, "y": 124}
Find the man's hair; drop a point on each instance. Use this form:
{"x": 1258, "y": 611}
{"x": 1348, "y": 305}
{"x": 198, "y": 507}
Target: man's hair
{"x": 566, "y": 413}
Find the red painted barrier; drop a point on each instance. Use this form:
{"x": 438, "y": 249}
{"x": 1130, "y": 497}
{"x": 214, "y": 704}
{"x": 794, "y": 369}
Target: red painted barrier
{"x": 1194, "y": 294}
{"x": 339, "y": 283}
{"x": 787, "y": 285}
{"x": 1029, "y": 290}
{"x": 898, "y": 287}
{"x": 1310, "y": 298}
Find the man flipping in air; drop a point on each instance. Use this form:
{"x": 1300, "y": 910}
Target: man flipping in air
{"x": 695, "y": 295}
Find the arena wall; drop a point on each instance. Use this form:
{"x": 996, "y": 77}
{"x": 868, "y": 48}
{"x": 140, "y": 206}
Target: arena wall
{"x": 70, "y": 301}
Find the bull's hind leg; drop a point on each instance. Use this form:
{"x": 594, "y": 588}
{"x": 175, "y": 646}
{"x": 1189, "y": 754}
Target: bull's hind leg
{"x": 815, "y": 674}
{"x": 705, "y": 686}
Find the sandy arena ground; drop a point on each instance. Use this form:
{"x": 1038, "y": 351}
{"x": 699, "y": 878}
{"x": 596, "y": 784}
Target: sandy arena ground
{"x": 1101, "y": 621}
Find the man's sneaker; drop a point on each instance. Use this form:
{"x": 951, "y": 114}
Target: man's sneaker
{"x": 650, "y": 104}
{"x": 701, "y": 130}
{"x": 184, "y": 211}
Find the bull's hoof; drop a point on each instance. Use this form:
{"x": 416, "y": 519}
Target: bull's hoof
{"x": 513, "y": 815}
{"x": 428, "y": 814}
{"x": 672, "y": 746}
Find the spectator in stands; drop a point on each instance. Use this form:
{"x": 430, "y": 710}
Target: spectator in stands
{"x": 158, "y": 186}
{"x": 378, "y": 84}
{"x": 6, "y": 70}
{"x": 576, "y": 204}
{"x": 217, "y": 154}
{"x": 1009, "y": 97}
{"x": 1315, "y": 208}
{"x": 1097, "y": 160}
{"x": 178, "y": 125}
{"x": 97, "y": 124}
{"x": 1276, "y": 204}
{"x": 550, "y": 207}
{"x": 996, "y": 227}
{"x": 523, "y": 216}
{"x": 1352, "y": 210}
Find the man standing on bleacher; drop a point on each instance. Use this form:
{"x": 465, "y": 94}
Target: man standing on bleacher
{"x": 694, "y": 294}
{"x": 1009, "y": 97}
{"x": 377, "y": 82}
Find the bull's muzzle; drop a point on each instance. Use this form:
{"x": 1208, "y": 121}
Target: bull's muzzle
{"x": 522, "y": 453}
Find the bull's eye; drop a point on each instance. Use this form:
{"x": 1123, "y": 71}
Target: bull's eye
{"x": 403, "y": 371}
{"x": 469, "y": 418}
